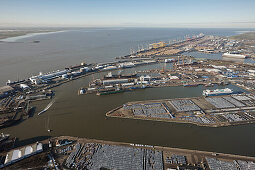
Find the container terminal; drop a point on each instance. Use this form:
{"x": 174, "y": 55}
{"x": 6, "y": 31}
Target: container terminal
{"x": 66, "y": 152}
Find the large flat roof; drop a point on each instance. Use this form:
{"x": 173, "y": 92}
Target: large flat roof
{"x": 23, "y": 151}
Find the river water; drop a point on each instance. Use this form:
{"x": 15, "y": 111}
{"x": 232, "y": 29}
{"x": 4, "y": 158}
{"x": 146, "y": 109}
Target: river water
{"x": 84, "y": 115}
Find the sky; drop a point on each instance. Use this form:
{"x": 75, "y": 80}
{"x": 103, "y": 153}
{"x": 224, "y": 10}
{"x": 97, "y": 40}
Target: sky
{"x": 128, "y": 13}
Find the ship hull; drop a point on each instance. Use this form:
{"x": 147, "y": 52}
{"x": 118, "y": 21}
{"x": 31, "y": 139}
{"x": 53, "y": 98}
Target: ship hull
{"x": 190, "y": 85}
{"x": 222, "y": 94}
{"x": 110, "y": 92}
{"x": 239, "y": 56}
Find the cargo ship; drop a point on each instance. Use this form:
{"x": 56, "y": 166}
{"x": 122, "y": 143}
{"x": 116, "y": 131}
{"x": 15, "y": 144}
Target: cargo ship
{"x": 110, "y": 91}
{"x": 219, "y": 92}
{"x": 138, "y": 87}
{"x": 113, "y": 76}
{"x": 234, "y": 55}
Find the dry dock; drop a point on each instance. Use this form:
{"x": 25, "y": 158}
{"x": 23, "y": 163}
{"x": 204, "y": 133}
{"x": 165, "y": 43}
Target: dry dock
{"x": 214, "y": 111}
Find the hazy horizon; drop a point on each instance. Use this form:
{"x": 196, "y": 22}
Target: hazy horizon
{"x": 142, "y": 13}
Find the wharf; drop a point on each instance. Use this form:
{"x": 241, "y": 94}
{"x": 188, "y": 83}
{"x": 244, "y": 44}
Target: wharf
{"x": 159, "y": 157}
{"x": 83, "y": 153}
{"x": 213, "y": 111}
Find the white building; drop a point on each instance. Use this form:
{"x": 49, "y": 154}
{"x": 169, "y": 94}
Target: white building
{"x": 251, "y": 72}
{"x": 126, "y": 65}
{"x": 174, "y": 78}
{"x": 24, "y": 86}
{"x": 212, "y": 70}
{"x": 84, "y": 69}
{"x": 219, "y": 67}
{"x": 22, "y": 153}
{"x": 145, "y": 78}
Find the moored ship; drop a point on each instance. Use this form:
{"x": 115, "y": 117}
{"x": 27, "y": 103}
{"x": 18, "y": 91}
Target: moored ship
{"x": 110, "y": 91}
{"x": 218, "y": 92}
{"x": 234, "y": 55}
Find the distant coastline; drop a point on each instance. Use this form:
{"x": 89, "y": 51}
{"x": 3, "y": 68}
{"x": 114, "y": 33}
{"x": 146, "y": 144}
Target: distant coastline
{"x": 13, "y": 36}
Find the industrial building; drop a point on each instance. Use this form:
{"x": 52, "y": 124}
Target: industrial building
{"x": 24, "y": 86}
{"x": 145, "y": 78}
{"x": 22, "y": 153}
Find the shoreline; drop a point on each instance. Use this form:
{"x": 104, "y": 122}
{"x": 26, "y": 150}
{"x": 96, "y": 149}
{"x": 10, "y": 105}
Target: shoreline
{"x": 29, "y": 34}
{"x": 78, "y": 152}
{"x": 120, "y": 112}
{"x": 183, "y": 122}
{"x": 162, "y": 148}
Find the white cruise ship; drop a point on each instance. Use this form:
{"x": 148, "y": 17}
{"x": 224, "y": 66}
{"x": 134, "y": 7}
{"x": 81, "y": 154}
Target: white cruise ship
{"x": 233, "y": 55}
{"x": 217, "y": 92}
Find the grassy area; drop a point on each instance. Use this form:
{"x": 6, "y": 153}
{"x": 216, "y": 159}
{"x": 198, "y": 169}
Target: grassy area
{"x": 244, "y": 36}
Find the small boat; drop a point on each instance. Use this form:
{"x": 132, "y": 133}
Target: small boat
{"x": 81, "y": 91}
